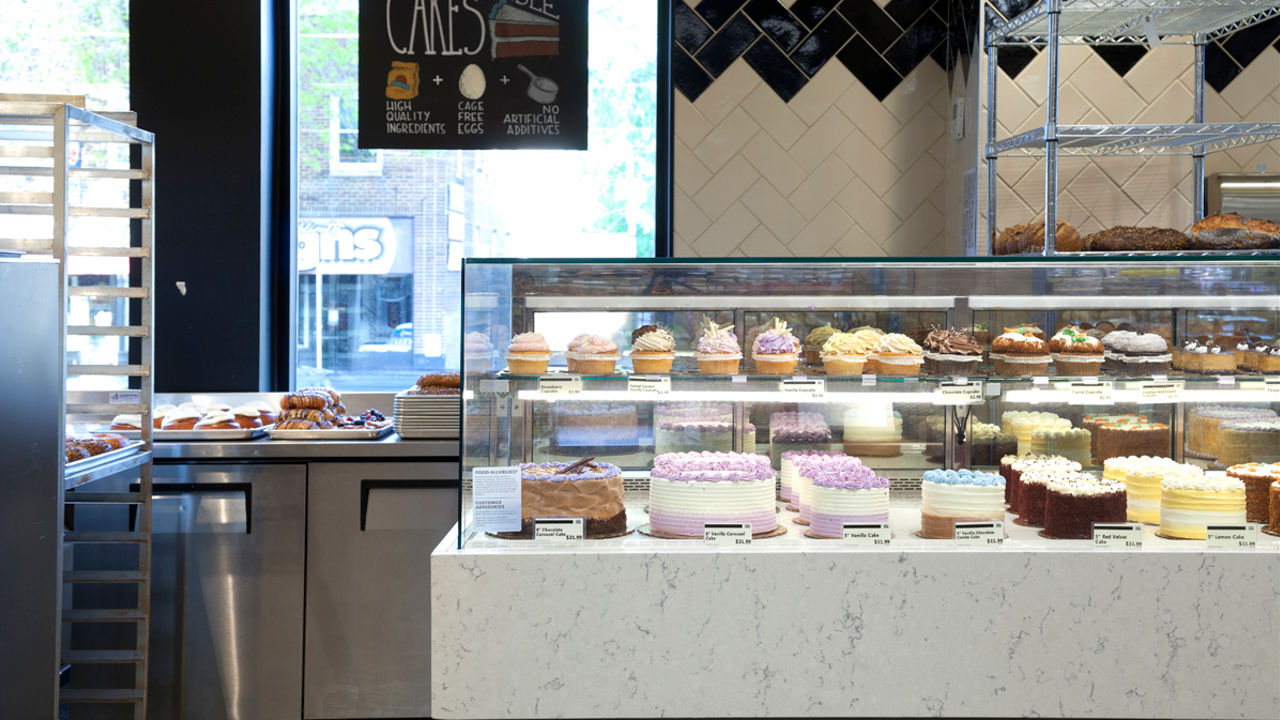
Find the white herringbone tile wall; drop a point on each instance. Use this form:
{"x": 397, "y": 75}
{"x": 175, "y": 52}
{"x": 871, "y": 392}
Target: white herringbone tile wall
{"x": 1096, "y": 193}
{"x": 834, "y": 172}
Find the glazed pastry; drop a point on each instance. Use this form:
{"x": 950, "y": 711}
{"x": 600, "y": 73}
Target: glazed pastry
{"x": 718, "y": 352}
{"x": 75, "y": 452}
{"x": 247, "y": 416}
{"x": 775, "y": 350}
{"x": 304, "y": 399}
{"x": 127, "y": 422}
{"x": 528, "y": 354}
{"x": 265, "y": 412}
{"x": 113, "y": 441}
{"x": 591, "y": 355}
{"x": 217, "y": 407}
{"x": 653, "y": 349}
{"x": 217, "y": 420}
{"x": 297, "y": 425}
{"x": 181, "y": 419}
{"x": 157, "y": 415}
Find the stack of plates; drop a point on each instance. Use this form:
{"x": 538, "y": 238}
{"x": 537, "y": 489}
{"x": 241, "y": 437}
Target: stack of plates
{"x": 427, "y": 416}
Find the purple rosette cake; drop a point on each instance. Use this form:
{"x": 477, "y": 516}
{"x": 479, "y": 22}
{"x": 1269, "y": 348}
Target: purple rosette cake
{"x": 689, "y": 490}
{"x": 841, "y": 490}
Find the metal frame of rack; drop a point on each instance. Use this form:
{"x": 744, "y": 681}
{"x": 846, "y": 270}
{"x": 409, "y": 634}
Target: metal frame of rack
{"x": 35, "y": 132}
{"x": 1052, "y": 23}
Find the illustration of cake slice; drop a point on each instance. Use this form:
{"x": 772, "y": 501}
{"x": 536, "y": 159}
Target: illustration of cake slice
{"x": 402, "y": 81}
{"x": 520, "y": 33}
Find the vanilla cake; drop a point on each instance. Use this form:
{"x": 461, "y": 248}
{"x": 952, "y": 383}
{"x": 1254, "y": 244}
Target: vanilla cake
{"x": 1070, "y": 443}
{"x": 872, "y": 429}
{"x": 1189, "y": 504}
{"x": 789, "y": 488}
{"x": 1022, "y": 423}
{"x": 950, "y": 495}
{"x": 841, "y": 490}
{"x": 689, "y": 490}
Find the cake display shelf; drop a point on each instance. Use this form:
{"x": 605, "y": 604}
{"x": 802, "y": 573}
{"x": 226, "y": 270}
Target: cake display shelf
{"x": 1177, "y": 139}
{"x": 1111, "y": 22}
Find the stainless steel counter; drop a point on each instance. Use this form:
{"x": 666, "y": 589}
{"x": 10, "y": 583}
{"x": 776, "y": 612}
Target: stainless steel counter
{"x": 391, "y": 447}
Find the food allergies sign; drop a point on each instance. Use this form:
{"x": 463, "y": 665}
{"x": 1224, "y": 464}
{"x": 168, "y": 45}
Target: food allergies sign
{"x": 473, "y": 74}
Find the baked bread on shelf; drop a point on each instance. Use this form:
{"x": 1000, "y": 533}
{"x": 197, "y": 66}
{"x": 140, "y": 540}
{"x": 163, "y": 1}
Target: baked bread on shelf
{"x": 1124, "y": 237}
{"x": 1029, "y": 238}
{"x": 1232, "y": 231}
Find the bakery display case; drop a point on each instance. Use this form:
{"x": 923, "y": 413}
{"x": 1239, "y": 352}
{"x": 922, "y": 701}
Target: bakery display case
{"x": 910, "y": 366}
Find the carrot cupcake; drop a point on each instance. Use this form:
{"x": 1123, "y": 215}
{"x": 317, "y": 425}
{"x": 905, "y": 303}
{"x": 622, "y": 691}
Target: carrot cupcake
{"x": 775, "y": 350}
{"x": 653, "y": 349}
{"x": 1018, "y": 353}
{"x": 528, "y": 354}
{"x": 1075, "y": 352}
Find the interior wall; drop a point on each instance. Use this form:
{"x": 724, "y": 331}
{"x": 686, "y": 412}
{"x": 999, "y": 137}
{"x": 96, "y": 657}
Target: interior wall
{"x": 811, "y": 128}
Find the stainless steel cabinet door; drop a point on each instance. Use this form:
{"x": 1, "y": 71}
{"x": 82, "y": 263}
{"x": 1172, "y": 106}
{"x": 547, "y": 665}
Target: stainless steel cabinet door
{"x": 227, "y": 592}
{"x": 371, "y": 528}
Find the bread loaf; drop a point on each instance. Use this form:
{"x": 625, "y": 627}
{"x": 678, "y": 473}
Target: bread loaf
{"x": 1123, "y": 237}
{"x": 1232, "y": 231}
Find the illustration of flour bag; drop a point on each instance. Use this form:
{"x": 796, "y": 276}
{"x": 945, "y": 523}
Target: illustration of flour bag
{"x": 402, "y": 81}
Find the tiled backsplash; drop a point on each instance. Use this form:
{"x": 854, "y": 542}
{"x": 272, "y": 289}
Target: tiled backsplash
{"x": 819, "y": 127}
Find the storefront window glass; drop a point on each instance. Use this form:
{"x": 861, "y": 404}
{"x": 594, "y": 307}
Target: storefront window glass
{"x": 382, "y": 233}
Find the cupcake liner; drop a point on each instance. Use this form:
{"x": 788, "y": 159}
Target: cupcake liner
{"x": 528, "y": 363}
{"x": 1021, "y": 359}
{"x": 844, "y": 365}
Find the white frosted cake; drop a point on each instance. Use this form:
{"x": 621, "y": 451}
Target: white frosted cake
{"x": 689, "y": 490}
{"x": 841, "y": 490}
{"x": 872, "y": 429}
{"x": 790, "y": 481}
{"x": 950, "y": 495}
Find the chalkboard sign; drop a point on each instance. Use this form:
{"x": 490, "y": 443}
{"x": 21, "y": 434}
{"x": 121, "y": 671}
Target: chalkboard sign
{"x": 473, "y": 74}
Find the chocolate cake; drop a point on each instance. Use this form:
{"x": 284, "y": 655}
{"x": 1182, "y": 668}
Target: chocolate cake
{"x": 1074, "y": 503}
{"x": 589, "y": 490}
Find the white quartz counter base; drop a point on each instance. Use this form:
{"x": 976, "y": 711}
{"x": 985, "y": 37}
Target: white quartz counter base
{"x": 795, "y": 627}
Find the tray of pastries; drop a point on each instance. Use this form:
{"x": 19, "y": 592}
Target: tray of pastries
{"x": 189, "y": 421}
{"x": 319, "y": 414}
{"x": 86, "y": 452}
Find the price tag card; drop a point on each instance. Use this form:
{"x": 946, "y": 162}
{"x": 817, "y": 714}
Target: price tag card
{"x": 1091, "y": 393}
{"x": 1227, "y": 380}
{"x": 1232, "y": 537}
{"x": 1164, "y": 390}
{"x": 649, "y": 385}
{"x": 126, "y": 397}
{"x": 867, "y": 534}
{"x": 1272, "y": 385}
{"x": 727, "y": 534}
{"x": 1118, "y": 535}
{"x": 557, "y": 530}
{"x": 815, "y": 388}
{"x": 868, "y": 379}
{"x": 984, "y": 533}
{"x": 495, "y": 499}
{"x": 560, "y": 385}
{"x": 958, "y": 393}
{"x": 1039, "y": 381}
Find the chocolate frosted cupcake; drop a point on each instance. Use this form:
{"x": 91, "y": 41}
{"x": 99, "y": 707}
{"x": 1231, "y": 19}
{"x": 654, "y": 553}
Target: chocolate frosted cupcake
{"x": 951, "y": 352}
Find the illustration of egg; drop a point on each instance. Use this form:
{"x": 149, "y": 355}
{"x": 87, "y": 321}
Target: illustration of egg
{"x": 471, "y": 82}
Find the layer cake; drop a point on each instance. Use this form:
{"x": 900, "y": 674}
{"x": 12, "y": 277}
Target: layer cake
{"x": 842, "y": 490}
{"x": 695, "y": 427}
{"x": 592, "y": 492}
{"x": 1070, "y": 443}
{"x": 689, "y": 490}
{"x": 950, "y": 495}
{"x": 1241, "y": 441}
{"x": 594, "y": 429}
{"x": 796, "y": 431}
{"x": 1122, "y": 438}
{"x": 1258, "y": 479}
{"x": 1189, "y": 504}
{"x": 789, "y": 482}
{"x": 1204, "y": 422}
{"x": 1074, "y": 503}
{"x": 872, "y": 429}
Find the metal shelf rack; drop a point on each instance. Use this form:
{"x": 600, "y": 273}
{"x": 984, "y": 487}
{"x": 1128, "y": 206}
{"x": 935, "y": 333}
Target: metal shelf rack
{"x": 44, "y": 141}
{"x": 1051, "y": 23}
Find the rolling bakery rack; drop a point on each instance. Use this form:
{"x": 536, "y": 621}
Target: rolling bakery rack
{"x": 64, "y": 170}
{"x": 1050, "y": 23}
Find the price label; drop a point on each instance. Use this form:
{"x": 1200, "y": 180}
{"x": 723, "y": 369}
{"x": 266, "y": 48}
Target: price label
{"x": 560, "y": 385}
{"x": 649, "y": 385}
{"x": 867, "y": 534}
{"x": 1170, "y": 391}
{"x": 727, "y": 534}
{"x": 815, "y": 388}
{"x": 1232, "y": 537}
{"x": 127, "y": 397}
{"x": 1091, "y": 393}
{"x": 868, "y": 379}
{"x": 984, "y": 533}
{"x": 958, "y": 393}
{"x": 1039, "y": 381}
{"x": 1118, "y": 535}
{"x": 495, "y": 499}
{"x": 1227, "y": 380}
{"x": 557, "y": 530}
{"x": 1271, "y": 385}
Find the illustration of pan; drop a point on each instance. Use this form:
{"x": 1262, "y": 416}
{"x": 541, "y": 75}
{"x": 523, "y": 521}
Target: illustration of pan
{"x": 541, "y": 90}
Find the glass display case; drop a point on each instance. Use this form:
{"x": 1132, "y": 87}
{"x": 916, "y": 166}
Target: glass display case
{"x": 1163, "y": 344}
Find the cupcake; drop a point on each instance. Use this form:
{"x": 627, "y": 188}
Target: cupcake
{"x": 1018, "y": 353}
{"x": 897, "y": 354}
{"x": 653, "y": 349}
{"x": 718, "y": 352}
{"x": 1130, "y": 353}
{"x": 775, "y": 350}
{"x": 870, "y": 336}
{"x": 591, "y": 355}
{"x": 951, "y": 352}
{"x": 528, "y": 354}
{"x": 477, "y": 353}
{"x": 982, "y": 333}
{"x": 845, "y": 354}
{"x": 814, "y": 341}
{"x": 1075, "y": 353}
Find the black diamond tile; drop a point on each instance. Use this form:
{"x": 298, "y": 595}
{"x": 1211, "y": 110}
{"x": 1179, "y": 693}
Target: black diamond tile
{"x": 866, "y": 64}
{"x": 689, "y": 29}
{"x": 906, "y": 12}
{"x": 727, "y": 45}
{"x": 776, "y": 70}
{"x": 811, "y": 12}
{"x": 1219, "y": 68}
{"x": 1245, "y": 45}
{"x": 777, "y": 22}
{"x": 1121, "y": 58}
{"x": 871, "y": 23}
{"x": 1013, "y": 60}
{"x": 688, "y": 77}
{"x": 717, "y": 12}
{"x": 825, "y": 41}
{"x": 1011, "y": 8}
{"x": 916, "y": 43}
{"x": 944, "y": 55}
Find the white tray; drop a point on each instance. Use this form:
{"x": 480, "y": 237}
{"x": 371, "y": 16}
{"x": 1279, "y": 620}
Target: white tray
{"x": 187, "y": 435}
{"x": 105, "y": 458}
{"x": 332, "y": 434}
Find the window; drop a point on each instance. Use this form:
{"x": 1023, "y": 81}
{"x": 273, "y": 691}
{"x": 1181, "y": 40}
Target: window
{"x": 374, "y": 310}
{"x": 78, "y": 47}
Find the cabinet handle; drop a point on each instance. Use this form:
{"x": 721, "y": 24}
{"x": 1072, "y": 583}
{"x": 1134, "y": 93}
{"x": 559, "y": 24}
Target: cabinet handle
{"x": 197, "y": 489}
{"x": 367, "y": 485}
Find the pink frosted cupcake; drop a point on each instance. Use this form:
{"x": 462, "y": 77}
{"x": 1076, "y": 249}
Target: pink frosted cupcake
{"x": 776, "y": 350}
{"x": 592, "y": 355}
{"x": 528, "y": 354}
